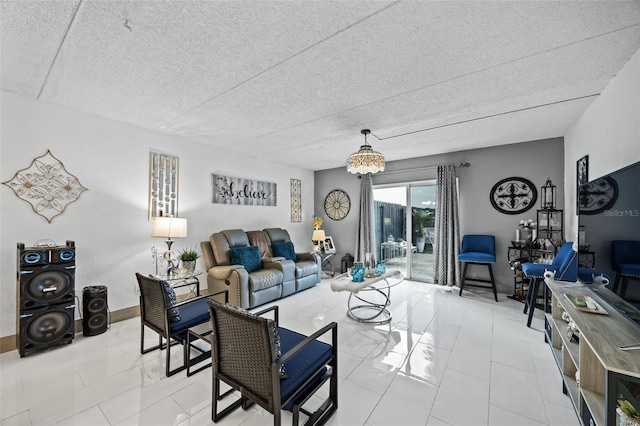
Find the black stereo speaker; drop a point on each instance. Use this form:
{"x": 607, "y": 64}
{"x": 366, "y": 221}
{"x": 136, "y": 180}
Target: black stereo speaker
{"x": 45, "y": 296}
{"x": 44, "y": 327}
{"x": 94, "y": 310}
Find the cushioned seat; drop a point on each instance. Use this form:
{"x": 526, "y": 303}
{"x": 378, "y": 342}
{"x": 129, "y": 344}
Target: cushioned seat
{"x": 160, "y": 312}
{"x": 591, "y": 275}
{"x": 192, "y": 313}
{"x": 265, "y": 278}
{"x": 273, "y": 367}
{"x": 478, "y": 250}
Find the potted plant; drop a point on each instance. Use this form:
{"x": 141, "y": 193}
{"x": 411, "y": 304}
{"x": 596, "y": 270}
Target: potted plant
{"x": 188, "y": 258}
{"x": 420, "y": 218}
{"x": 628, "y": 415}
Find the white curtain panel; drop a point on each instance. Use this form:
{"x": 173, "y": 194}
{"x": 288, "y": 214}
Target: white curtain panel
{"x": 447, "y": 228}
{"x": 365, "y": 239}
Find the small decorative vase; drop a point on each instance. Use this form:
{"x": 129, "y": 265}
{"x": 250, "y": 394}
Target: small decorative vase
{"x": 189, "y": 266}
{"x": 527, "y": 235}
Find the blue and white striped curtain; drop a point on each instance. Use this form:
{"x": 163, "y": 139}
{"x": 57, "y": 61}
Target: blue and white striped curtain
{"x": 447, "y": 245}
{"x": 365, "y": 239}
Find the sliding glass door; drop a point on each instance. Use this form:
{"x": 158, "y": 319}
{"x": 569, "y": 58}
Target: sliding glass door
{"x": 404, "y": 218}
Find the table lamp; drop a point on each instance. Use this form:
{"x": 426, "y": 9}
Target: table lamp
{"x": 169, "y": 227}
{"x": 318, "y": 238}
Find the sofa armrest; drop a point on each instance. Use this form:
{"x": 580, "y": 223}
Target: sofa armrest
{"x": 233, "y": 278}
{"x": 223, "y": 272}
{"x": 305, "y": 255}
{"x": 273, "y": 259}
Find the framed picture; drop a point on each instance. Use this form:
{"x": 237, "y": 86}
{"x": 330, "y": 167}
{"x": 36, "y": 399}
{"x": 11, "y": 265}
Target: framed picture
{"x": 582, "y": 177}
{"x": 328, "y": 245}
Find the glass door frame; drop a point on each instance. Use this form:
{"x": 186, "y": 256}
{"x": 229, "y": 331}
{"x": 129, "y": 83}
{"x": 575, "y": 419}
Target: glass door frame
{"x": 409, "y": 220}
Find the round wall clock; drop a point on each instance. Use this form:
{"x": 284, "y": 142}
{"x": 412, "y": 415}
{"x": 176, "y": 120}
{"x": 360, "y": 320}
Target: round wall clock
{"x": 598, "y": 195}
{"x": 337, "y": 204}
{"x": 513, "y": 195}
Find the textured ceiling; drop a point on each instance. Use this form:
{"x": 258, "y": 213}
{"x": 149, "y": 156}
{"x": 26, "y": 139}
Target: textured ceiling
{"x": 295, "y": 81}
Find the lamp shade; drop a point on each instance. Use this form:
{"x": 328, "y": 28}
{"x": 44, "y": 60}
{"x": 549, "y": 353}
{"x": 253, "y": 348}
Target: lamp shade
{"x": 169, "y": 227}
{"x": 366, "y": 160}
{"x": 318, "y": 235}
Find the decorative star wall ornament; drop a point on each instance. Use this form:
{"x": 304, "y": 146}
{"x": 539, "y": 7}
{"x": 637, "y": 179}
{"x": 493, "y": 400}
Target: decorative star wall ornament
{"x": 46, "y": 185}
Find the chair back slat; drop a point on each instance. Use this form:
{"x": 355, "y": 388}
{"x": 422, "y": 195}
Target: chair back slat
{"x": 153, "y": 302}
{"x": 243, "y": 351}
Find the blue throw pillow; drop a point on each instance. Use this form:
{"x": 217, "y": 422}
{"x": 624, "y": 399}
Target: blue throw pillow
{"x": 284, "y": 249}
{"x": 249, "y": 257}
{"x": 174, "y": 313}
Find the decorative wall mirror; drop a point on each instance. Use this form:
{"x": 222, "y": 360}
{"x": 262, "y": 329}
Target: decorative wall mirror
{"x": 163, "y": 185}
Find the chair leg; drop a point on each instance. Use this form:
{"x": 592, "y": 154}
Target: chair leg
{"x": 215, "y": 416}
{"x": 533, "y": 288}
{"x": 464, "y": 277}
{"x": 527, "y": 296}
{"x": 616, "y": 282}
{"x": 624, "y": 281}
{"x": 493, "y": 282}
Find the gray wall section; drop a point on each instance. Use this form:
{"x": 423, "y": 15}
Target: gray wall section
{"x": 536, "y": 161}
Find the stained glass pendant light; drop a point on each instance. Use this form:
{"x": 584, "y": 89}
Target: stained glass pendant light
{"x": 366, "y": 160}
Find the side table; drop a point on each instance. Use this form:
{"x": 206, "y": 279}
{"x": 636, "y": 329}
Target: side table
{"x": 184, "y": 279}
{"x": 374, "y": 294}
{"x": 326, "y": 265}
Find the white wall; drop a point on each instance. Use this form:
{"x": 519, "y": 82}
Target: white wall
{"x": 109, "y": 222}
{"x": 535, "y": 161}
{"x": 609, "y": 132}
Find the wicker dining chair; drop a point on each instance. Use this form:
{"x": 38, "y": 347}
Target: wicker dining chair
{"x": 170, "y": 320}
{"x": 245, "y": 356}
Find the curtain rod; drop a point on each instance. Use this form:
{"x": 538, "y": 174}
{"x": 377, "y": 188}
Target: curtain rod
{"x": 420, "y": 169}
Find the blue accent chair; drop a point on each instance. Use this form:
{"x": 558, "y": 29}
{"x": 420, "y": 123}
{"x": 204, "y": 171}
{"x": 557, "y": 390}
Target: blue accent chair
{"x": 156, "y": 312}
{"x": 273, "y": 367}
{"x": 564, "y": 267}
{"x": 625, "y": 261}
{"x": 478, "y": 250}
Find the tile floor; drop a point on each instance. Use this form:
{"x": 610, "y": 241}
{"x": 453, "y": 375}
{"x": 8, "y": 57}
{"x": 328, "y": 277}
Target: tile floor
{"x": 443, "y": 360}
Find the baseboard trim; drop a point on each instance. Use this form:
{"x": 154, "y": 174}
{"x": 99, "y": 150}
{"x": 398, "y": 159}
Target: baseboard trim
{"x": 8, "y": 343}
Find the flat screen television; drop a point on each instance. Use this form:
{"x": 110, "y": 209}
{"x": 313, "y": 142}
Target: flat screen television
{"x": 609, "y": 209}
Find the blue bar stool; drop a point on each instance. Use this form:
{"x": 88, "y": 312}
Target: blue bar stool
{"x": 478, "y": 250}
{"x": 564, "y": 268}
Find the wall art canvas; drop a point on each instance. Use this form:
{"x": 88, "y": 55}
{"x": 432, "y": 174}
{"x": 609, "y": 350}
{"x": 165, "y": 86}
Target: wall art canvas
{"x": 163, "y": 185}
{"x": 46, "y": 185}
{"x": 296, "y": 200}
{"x": 582, "y": 177}
{"x": 233, "y": 190}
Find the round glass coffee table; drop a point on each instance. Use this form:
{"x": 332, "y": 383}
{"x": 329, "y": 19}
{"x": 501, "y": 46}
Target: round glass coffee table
{"x": 370, "y": 298}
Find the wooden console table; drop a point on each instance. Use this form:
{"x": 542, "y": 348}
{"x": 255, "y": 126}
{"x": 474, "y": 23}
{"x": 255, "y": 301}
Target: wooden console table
{"x": 606, "y": 372}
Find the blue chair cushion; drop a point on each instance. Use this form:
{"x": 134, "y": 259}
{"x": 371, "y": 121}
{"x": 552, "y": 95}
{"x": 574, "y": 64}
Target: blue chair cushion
{"x": 191, "y": 313}
{"x": 536, "y": 270}
{"x": 586, "y": 275}
{"x": 304, "y": 365}
{"x": 284, "y": 249}
{"x": 630, "y": 269}
{"x": 249, "y": 257}
{"x": 474, "y": 256}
